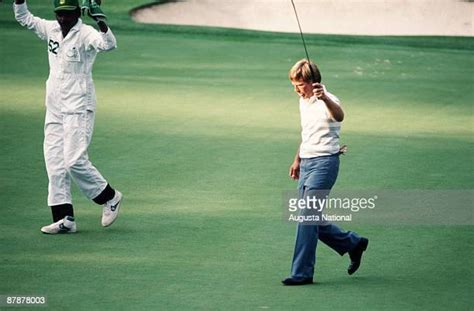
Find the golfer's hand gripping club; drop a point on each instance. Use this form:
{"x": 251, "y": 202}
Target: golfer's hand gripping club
{"x": 319, "y": 90}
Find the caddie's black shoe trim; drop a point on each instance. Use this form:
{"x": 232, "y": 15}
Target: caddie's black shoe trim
{"x": 356, "y": 255}
{"x": 294, "y": 282}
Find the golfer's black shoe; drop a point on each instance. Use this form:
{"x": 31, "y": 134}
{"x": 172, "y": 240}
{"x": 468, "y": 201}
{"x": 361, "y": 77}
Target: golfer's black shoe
{"x": 356, "y": 255}
{"x": 294, "y": 282}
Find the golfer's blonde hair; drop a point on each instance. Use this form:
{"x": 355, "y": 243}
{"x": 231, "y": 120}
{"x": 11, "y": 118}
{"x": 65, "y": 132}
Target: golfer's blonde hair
{"x": 302, "y": 72}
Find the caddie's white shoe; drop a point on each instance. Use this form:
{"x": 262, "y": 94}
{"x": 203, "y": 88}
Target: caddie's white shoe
{"x": 111, "y": 209}
{"x": 65, "y": 225}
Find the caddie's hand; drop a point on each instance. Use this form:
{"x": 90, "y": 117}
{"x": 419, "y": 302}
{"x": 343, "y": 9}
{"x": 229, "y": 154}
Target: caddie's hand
{"x": 319, "y": 90}
{"x": 95, "y": 12}
{"x": 295, "y": 170}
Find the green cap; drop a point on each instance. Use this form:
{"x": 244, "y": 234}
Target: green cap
{"x": 65, "y": 5}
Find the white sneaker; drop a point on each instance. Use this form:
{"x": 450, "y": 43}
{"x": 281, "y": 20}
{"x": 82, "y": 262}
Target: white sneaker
{"x": 65, "y": 225}
{"x": 111, "y": 209}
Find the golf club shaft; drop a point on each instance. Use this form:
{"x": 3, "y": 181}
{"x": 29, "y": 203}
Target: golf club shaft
{"x": 302, "y": 38}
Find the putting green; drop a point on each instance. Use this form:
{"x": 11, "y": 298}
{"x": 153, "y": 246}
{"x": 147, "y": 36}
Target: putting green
{"x": 197, "y": 127}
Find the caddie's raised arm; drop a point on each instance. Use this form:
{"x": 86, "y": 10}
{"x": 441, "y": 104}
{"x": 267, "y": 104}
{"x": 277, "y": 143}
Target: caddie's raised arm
{"x": 25, "y": 18}
{"x": 101, "y": 41}
{"x": 105, "y": 41}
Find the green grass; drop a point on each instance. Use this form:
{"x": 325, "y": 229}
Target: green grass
{"x": 197, "y": 127}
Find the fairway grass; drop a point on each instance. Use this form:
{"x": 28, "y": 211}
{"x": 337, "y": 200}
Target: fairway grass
{"x": 197, "y": 127}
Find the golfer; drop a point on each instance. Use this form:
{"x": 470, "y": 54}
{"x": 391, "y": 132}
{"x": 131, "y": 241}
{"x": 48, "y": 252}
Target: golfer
{"x": 316, "y": 167}
{"x": 70, "y": 108}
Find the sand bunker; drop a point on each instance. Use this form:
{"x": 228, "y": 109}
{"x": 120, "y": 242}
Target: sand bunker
{"x": 370, "y": 17}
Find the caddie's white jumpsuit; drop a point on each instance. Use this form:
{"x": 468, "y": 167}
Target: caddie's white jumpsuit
{"x": 70, "y": 104}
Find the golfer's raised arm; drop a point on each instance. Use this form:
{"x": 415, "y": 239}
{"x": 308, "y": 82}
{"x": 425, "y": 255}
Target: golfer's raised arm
{"x": 332, "y": 103}
{"x": 334, "y": 108}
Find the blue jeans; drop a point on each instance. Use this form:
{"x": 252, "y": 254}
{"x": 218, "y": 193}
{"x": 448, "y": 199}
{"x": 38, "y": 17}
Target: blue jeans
{"x": 318, "y": 175}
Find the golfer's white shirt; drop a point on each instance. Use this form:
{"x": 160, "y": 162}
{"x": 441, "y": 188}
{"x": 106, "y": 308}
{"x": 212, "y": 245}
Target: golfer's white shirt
{"x": 319, "y": 131}
{"x": 69, "y": 87}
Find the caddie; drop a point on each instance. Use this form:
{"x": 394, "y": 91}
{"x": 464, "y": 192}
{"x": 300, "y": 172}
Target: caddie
{"x": 70, "y": 108}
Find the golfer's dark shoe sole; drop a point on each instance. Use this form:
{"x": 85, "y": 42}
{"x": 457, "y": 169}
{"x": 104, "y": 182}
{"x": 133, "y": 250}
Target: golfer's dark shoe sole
{"x": 356, "y": 255}
{"x": 296, "y": 282}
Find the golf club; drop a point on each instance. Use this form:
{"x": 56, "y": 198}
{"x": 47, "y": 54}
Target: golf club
{"x": 304, "y": 43}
